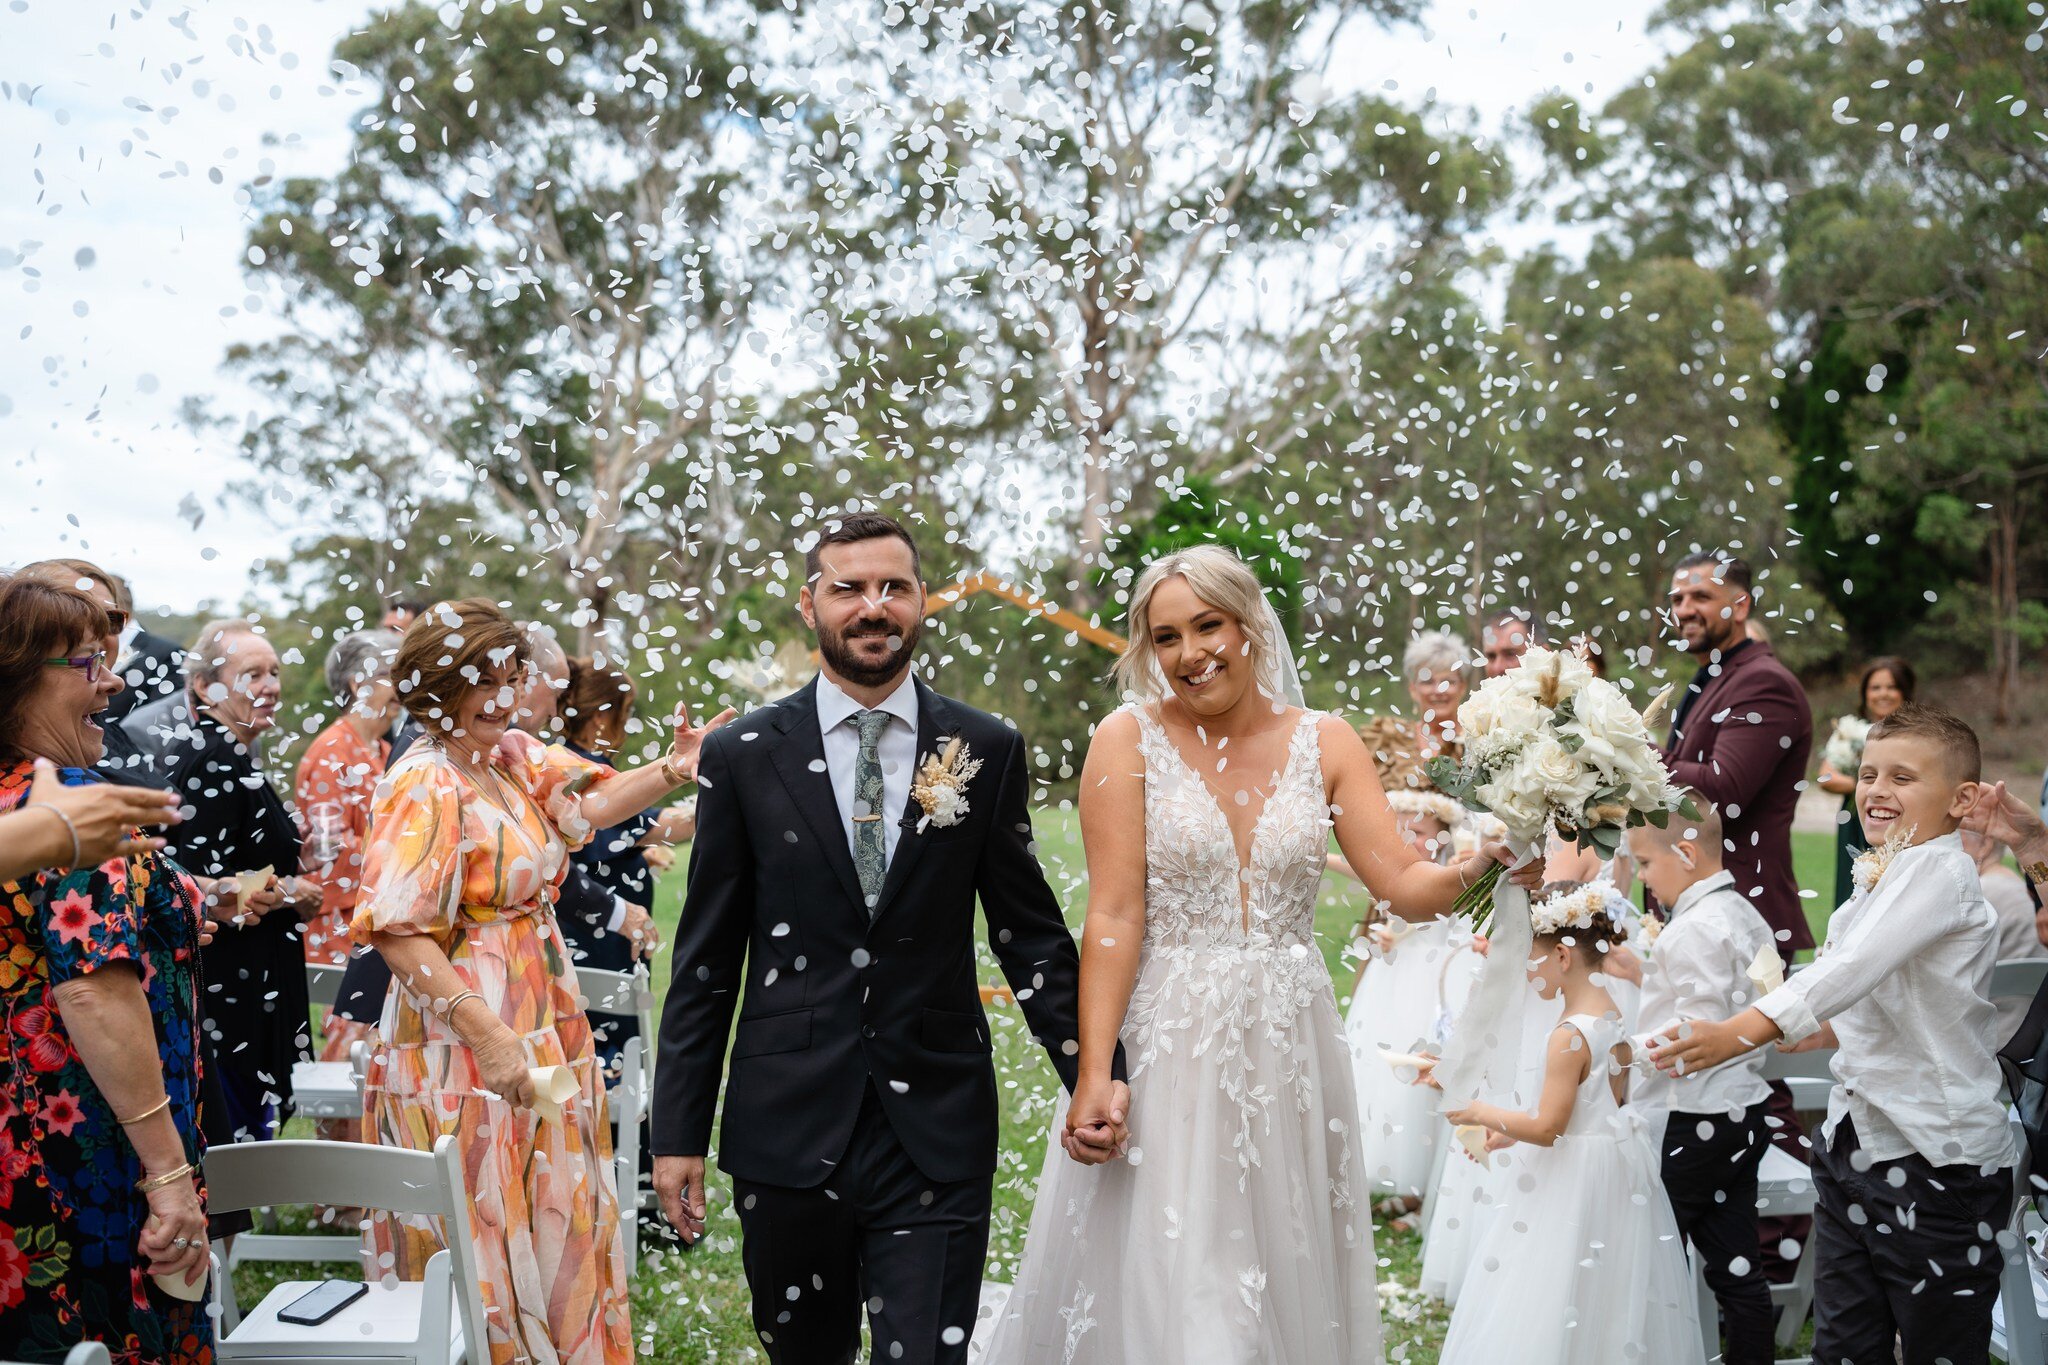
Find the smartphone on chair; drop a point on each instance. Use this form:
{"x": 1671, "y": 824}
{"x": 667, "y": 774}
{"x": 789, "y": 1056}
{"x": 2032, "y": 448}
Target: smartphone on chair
{"x": 322, "y": 1302}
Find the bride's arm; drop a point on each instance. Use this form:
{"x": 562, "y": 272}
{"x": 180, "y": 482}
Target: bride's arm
{"x": 1113, "y": 835}
{"x": 1411, "y": 886}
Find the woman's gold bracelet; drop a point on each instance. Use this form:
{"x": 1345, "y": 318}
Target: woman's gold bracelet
{"x": 150, "y": 1112}
{"x": 151, "y": 1184}
{"x": 460, "y": 996}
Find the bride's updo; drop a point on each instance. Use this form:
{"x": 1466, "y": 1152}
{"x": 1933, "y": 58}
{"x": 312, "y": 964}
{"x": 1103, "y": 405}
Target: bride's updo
{"x": 1223, "y": 581}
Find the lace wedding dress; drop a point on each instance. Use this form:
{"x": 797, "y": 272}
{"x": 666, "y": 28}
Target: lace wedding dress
{"x": 1237, "y": 1229}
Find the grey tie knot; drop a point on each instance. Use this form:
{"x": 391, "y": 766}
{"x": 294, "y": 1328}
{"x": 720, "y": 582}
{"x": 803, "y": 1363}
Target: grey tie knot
{"x": 871, "y": 724}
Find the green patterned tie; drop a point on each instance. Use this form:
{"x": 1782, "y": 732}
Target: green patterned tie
{"x": 870, "y": 841}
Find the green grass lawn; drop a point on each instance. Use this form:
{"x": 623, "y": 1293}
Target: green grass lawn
{"x": 692, "y": 1306}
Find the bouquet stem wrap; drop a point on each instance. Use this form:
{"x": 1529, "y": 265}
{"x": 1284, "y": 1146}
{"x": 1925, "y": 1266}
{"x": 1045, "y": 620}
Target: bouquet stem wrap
{"x": 1485, "y": 1045}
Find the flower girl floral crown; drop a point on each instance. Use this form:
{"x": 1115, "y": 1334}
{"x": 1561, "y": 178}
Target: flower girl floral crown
{"x": 1436, "y": 805}
{"x": 1586, "y": 907}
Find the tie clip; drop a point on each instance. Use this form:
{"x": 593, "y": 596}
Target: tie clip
{"x": 864, "y": 819}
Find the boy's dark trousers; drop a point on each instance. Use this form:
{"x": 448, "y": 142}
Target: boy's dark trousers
{"x": 1906, "y": 1249}
{"x": 1710, "y": 1166}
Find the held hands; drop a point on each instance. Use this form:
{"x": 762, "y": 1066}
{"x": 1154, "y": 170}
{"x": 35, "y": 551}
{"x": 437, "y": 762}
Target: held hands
{"x": 688, "y": 744}
{"x": 1096, "y": 1130}
{"x": 1529, "y": 876}
{"x": 679, "y": 1183}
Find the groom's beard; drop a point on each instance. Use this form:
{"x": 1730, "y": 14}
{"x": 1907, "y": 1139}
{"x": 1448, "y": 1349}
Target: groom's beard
{"x": 837, "y": 650}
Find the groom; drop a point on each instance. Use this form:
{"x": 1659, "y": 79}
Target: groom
{"x": 860, "y": 1114}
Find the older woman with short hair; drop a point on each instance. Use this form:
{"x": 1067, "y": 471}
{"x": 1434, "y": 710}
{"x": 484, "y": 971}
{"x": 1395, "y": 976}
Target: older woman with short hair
{"x": 469, "y": 838}
{"x": 206, "y": 744}
{"x": 100, "y": 1195}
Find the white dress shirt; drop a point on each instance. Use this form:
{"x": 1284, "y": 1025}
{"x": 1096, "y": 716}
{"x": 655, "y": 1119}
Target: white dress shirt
{"x": 126, "y": 649}
{"x": 1699, "y": 969}
{"x": 1905, "y": 975}
{"x": 897, "y": 749}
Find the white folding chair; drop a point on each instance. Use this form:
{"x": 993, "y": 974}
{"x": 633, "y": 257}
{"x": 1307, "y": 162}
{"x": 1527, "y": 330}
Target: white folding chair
{"x": 324, "y": 1090}
{"x": 330, "y": 1090}
{"x": 313, "y": 1248}
{"x": 630, "y": 1095}
{"x": 84, "y": 1353}
{"x": 1805, "y": 1074}
{"x": 2019, "y": 1335}
{"x": 323, "y": 983}
{"x": 437, "y": 1321}
{"x": 2018, "y": 978}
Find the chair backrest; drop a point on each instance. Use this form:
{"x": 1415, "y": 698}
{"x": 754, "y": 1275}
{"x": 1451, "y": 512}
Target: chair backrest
{"x": 1783, "y": 1066}
{"x": 323, "y": 983}
{"x": 248, "y": 1175}
{"x": 616, "y": 993}
{"x": 84, "y": 1353}
{"x": 355, "y": 1175}
{"x": 2018, "y": 978}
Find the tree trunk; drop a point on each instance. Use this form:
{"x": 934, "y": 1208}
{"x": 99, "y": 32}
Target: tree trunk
{"x": 2005, "y": 647}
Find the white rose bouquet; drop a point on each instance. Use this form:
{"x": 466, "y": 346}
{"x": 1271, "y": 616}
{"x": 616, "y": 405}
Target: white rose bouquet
{"x": 1551, "y": 745}
{"x": 1844, "y": 750}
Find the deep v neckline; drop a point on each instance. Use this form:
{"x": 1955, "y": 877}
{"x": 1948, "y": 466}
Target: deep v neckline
{"x": 1249, "y": 856}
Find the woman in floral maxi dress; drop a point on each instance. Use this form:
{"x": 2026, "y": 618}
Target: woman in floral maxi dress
{"x": 469, "y": 836}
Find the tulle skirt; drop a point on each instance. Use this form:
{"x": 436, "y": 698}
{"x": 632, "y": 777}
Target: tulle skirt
{"x": 1237, "y": 1231}
{"x": 1581, "y": 1264}
{"x": 1399, "y": 1006}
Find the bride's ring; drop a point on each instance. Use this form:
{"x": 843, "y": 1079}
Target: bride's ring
{"x": 181, "y": 1243}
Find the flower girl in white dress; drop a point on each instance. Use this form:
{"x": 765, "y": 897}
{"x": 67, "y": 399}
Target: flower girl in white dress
{"x": 1586, "y": 1264}
{"x": 1235, "y": 1231}
{"x": 1411, "y": 976}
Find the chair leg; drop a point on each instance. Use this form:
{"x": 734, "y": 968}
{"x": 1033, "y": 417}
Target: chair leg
{"x": 1799, "y": 1305}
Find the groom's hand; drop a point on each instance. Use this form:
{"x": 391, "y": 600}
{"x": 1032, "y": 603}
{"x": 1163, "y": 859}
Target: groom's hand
{"x": 679, "y": 1181}
{"x": 1096, "y": 1129}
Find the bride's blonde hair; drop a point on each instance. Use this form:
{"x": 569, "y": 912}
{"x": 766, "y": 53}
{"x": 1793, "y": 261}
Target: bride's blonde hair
{"x": 1223, "y": 581}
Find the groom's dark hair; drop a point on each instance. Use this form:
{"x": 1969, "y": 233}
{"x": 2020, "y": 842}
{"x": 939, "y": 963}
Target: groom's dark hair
{"x": 858, "y": 526}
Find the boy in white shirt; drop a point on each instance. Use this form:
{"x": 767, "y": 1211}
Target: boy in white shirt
{"x": 1715, "y": 1129}
{"x": 1912, "y": 1169}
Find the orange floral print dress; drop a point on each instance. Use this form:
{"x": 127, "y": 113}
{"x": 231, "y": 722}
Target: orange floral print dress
{"x": 474, "y": 860}
{"x": 342, "y": 771}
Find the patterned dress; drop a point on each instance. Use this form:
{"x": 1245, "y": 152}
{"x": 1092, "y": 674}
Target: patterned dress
{"x": 473, "y": 860}
{"x": 338, "y": 770}
{"x": 69, "y": 1210}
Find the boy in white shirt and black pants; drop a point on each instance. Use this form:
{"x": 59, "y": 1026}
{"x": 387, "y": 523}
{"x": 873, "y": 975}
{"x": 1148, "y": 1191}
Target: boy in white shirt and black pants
{"x": 1912, "y": 1171}
{"x": 1715, "y": 1129}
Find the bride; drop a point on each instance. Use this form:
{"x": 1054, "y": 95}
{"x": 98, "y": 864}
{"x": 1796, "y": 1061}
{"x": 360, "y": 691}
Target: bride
{"x": 1236, "y": 1229}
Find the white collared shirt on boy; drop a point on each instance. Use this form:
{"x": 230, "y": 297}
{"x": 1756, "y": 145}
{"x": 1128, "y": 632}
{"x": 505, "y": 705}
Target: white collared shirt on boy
{"x": 1699, "y": 969}
{"x": 1905, "y": 976}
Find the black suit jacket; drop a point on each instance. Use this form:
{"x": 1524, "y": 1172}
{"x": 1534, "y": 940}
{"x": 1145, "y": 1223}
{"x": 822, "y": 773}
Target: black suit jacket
{"x": 156, "y": 669}
{"x": 830, "y": 1000}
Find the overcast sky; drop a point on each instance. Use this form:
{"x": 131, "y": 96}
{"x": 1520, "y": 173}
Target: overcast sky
{"x": 127, "y": 134}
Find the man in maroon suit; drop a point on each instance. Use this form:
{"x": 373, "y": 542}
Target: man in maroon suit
{"x": 1740, "y": 736}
